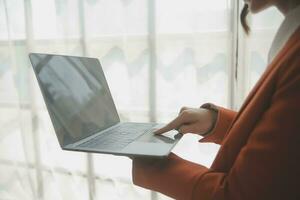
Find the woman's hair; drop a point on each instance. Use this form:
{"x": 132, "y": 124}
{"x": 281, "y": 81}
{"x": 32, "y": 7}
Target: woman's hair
{"x": 244, "y": 22}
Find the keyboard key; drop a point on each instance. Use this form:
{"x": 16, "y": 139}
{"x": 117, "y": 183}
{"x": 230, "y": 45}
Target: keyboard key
{"x": 119, "y": 137}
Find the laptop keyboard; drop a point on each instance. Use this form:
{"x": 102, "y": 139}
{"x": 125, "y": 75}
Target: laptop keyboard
{"x": 118, "y": 137}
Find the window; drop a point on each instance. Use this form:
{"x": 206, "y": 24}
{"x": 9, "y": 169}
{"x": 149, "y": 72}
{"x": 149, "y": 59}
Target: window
{"x": 157, "y": 55}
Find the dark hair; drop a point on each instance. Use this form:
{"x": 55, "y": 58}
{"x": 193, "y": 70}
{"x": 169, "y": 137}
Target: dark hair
{"x": 244, "y": 22}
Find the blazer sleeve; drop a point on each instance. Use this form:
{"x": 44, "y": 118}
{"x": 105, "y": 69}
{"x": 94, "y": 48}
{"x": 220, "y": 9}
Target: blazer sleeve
{"x": 267, "y": 167}
{"x": 225, "y": 118}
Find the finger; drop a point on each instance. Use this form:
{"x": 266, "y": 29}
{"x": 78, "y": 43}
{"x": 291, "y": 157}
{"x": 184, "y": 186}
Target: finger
{"x": 184, "y": 117}
{"x": 188, "y": 129}
{"x": 162, "y": 130}
{"x": 177, "y": 122}
{"x": 184, "y": 108}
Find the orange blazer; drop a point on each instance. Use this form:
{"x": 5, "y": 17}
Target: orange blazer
{"x": 259, "y": 157}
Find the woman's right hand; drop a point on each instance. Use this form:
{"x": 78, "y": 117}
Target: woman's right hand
{"x": 191, "y": 120}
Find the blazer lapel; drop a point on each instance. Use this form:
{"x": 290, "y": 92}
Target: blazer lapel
{"x": 277, "y": 61}
{"x": 237, "y": 135}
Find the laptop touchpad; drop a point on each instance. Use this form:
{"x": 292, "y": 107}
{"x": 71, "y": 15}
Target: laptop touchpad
{"x": 169, "y": 137}
{"x": 146, "y": 148}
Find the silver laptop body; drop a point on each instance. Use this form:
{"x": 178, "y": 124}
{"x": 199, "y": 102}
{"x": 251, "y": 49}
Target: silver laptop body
{"x": 83, "y": 112}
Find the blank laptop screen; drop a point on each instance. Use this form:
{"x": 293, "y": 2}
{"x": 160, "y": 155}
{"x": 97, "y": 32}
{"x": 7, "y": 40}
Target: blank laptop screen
{"x": 76, "y": 94}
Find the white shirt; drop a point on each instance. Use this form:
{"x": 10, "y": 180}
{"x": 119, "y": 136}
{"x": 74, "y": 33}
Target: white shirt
{"x": 289, "y": 25}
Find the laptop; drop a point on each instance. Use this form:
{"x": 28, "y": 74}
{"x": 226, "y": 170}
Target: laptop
{"x": 83, "y": 112}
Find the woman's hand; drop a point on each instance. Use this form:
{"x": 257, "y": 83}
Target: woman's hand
{"x": 191, "y": 120}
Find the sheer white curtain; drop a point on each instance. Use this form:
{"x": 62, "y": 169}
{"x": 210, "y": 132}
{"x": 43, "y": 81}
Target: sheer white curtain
{"x": 253, "y": 51}
{"x": 157, "y": 56}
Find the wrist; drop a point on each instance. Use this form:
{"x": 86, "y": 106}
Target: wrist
{"x": 212, "y": 116}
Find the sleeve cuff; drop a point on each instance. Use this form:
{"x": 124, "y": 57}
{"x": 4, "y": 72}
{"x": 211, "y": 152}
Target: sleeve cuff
{"x": 172, "y": 176}
{"x": 223, "y": 122}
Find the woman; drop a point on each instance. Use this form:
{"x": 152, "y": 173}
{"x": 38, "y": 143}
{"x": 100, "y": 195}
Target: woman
{"x": 259, "y": 156}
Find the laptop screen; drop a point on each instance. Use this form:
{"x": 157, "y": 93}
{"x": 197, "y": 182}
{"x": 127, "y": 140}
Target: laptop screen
{"x": 76, "y": 95}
